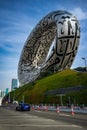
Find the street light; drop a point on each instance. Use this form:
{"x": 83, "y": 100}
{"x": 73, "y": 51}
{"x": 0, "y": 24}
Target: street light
{"x": 85, "y": 63}
{"x": 23, "y": 98}
{"x": 69, "y": 101}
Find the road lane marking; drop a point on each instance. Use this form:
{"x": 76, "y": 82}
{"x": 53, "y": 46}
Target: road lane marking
{"x": 77, "y": 126}
{"x": 45, "y": 125}
{"x": 65, "y": 115}
{"x": 60, "y": 114}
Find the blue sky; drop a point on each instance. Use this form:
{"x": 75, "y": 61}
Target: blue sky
{"x": 19, "y": 17}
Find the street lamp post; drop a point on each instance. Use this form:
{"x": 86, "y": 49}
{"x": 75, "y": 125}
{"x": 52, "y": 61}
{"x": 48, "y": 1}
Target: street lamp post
{"x": 23, "y": 98}
{"x": 69, "y": 101}
{"x": 85, "y": 63}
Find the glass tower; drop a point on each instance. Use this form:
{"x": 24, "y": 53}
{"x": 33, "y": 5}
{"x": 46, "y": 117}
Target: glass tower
{"x": 14, "y": 84}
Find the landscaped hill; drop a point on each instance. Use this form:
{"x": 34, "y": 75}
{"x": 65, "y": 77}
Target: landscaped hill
{"x": 35, "y": 91}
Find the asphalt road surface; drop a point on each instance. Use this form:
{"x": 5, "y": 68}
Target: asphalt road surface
{"x": 39, "y": 120}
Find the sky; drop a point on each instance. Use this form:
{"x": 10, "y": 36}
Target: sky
{"x": 19, "y": 17}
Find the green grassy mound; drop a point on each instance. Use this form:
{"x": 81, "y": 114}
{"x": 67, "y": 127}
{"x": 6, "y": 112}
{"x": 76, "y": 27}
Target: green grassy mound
{"x": 35, "y": 92}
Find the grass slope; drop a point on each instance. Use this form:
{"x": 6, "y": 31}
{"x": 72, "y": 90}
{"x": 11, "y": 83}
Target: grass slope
{"x": 34, "y": 92}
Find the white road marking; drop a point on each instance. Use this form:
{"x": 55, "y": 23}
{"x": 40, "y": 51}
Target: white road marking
{"x": 35, "y": 125}
{"x": 53, "y": 114}
{"x": 65, "y": 115}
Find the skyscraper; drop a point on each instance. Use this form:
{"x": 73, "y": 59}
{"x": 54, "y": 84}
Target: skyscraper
{"x": 14, "y": 84}
{"x": 6, "y": 91}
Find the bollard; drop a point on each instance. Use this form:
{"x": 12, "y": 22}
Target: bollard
{"x": 38, "y": 108}
{"x": 57, "y": 110}
{"x": 46, "y": 109}
{"x": 72, "y": 111}
{"x": 32, "y": 107}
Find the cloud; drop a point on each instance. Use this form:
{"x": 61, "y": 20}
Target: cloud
{"x": 79, "y": 13}
{"x": 14, "y": 30}
{"x": 13, "y": 43}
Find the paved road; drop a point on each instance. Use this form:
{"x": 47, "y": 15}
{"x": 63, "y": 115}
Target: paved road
{"x": 33, "y": 120}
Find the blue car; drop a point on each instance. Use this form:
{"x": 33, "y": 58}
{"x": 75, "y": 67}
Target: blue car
{"x": 23, "y": 107}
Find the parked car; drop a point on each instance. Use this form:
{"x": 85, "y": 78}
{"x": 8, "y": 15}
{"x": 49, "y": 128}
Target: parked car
{"x": 23, "y": 107}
